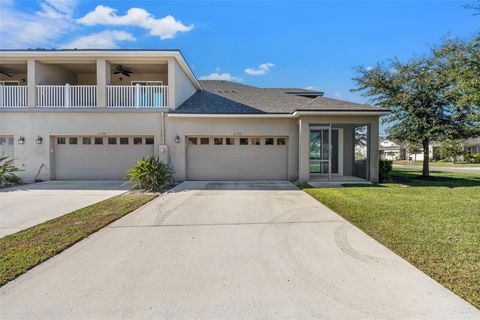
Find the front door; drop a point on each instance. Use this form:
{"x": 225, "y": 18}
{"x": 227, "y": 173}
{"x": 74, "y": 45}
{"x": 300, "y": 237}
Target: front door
{"x": 320, "y": 151}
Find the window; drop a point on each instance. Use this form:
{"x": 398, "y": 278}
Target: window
{"x": 229, "y": 141}
{"x": 147, "y": 83}
{"x": 192, "y": 140}
{"x": 217, "y": 141}
{"x": 10, "y": 140}
{"x": 61, "y": 140}
{"x": 204, "y": 140}
{"x": 256, "y": 141}
{"x": 269, "y": 141}
{"x": 149, "y": 140}
{"x": 98, "y": 140}
{"x": 137, "y": 140}
{"x": 112, "y": 140}
{"x": 243, "y": 141}
{"x": 3, "y": 141}
{"x": 73, "y": 140}
{"x": 123, "y": 140}
{"x": 281, "y": 141}
{"x": 87, "y": 140}
{"x": 9, "y": 83}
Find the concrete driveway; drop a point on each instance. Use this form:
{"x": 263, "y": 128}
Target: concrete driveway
{"x": 229, "y": 251}
{"x": 25, "y": 206}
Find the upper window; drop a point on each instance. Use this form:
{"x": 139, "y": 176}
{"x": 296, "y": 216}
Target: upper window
{"x": 112, "y": 140}
{"x": 147, "y": 83}
{"x": 217, "y": 141}
{"x": 281, "y": 141}
{"x": 73, "y": 140}
{"x": 149, "y": 140}
{"x": 192, "y": 140}
{"x": 204, "y": 140}
{"x": 10, "y": 140}
{"x": 269, "y": 141}
{"x": 243, "y": 141}
{"x": 123, "y": 140}
{"x": 256, "y": 141}
{"x": 98, "y": 140}
{"x": 61, "y": 140}
{"x": 3, "y": 141}
{"x": 87, "y": 140}
{"x": 229, "y": 141}
{"x": 137, "y": 140}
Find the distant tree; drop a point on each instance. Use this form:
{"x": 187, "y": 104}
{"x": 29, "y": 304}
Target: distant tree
{"x": 475, "y": 7}
{"x": 423, "y": 102}
{"x": 414, "y": 148}
{"x": 451, "y": 149}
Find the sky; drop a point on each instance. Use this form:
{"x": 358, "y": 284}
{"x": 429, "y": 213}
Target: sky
{"x": 303, "y": 44}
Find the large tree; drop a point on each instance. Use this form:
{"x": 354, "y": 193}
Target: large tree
{"x": 419, "y": 94}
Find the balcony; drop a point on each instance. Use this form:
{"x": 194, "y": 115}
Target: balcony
{"x": 66, "y": 96}
{"x": 137, "y": 96}
{"x": 13, "y": 96}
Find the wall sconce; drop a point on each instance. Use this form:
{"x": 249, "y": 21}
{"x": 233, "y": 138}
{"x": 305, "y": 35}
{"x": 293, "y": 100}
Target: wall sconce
{"x": 177, "y": 139}
{"x": 39, "y": 140}
{"x": 21, "y": 140}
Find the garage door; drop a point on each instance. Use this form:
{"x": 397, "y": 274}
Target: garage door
{"x": 99, "y": 157}
{"x": 237, "y": 158}
{"x": 6, "y": 146}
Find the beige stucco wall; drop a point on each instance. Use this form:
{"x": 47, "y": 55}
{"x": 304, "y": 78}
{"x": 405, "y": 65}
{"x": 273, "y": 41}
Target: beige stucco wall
{"x": 30, "y": 155}
{"x": 182, "y": 87}
{"x": 127, "y": 81}
{"x": 256, "y": 127}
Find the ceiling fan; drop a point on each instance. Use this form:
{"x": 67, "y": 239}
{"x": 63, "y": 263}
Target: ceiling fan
{"x": 121, "y": 70}
{"x": 4, "y": 73}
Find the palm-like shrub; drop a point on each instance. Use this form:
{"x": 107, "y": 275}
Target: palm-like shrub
{"x": 150, "y": 174}
{"x": 8, "y": 171}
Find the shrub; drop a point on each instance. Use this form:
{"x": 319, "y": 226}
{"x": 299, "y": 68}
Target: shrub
{"x": 472, "y": 158}
{"x": 8, "y": 172}
{"x": 150, "y": 174}
{"x": 384, "y": 169}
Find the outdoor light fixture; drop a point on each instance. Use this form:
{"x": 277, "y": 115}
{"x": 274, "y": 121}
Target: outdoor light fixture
{"x": 39, "y": 140}
{"x": 177, "y": 139}
{"x": 21, "y": 140}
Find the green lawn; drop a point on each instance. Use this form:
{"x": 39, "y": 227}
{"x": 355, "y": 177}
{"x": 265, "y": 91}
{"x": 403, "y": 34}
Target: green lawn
{"x": 433, "y": 223}
{"x": 25, "y": 249}
{"x": 436, "y": 163}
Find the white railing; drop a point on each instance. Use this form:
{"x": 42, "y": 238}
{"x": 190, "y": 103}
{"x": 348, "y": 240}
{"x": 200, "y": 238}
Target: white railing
{"x": 65, "y": 96}
{"x": 137, "y": 96}
{"x": 13, "y": 96}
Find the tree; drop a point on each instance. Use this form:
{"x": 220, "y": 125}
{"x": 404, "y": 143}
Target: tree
{"x": 419, "y": 96}
{"x": 414, "y": 148}
{"x": 451, "y": 149}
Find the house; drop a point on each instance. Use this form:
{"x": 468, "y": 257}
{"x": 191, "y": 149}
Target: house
{"x": 91, "y": 114}
{"x": 472, "y": 146}
{"x": 392, "y": 150}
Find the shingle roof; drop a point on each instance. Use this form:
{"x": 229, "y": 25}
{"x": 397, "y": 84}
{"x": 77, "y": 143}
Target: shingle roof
{"x": 224, "y": 97}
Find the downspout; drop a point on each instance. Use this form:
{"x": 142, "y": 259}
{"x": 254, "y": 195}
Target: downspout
{"x": 162, "y": 136}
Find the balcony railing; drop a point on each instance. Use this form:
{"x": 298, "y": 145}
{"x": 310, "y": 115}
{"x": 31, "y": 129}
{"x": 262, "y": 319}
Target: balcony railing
{"x": 13, "y": 96}
{"x": 137, "y": 96}
{"x": 65, "y": 96}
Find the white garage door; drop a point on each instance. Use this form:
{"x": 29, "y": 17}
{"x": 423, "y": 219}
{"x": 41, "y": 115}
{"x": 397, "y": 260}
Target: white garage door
{"x": 6, "y": 147}
{"x": 99, "y": 157}
{"x": 237, "y": 158}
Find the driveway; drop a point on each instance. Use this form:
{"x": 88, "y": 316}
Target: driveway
{"x": 25, "y": 206}
{"x": 225, "y": 250}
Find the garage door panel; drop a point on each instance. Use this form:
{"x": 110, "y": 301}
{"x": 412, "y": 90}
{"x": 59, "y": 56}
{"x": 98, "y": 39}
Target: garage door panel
{"x": 237, "y": 162}
{"x": 97, "y": 161}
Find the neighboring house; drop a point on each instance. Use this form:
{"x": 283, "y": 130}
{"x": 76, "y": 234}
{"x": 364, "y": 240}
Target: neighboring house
{"x": 91, "y": 114}
{"x": 391, "y": 150}
{"x": 472, "y": 146}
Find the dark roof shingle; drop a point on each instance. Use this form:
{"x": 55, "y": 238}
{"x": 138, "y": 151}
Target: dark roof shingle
{"x": 224, "y": 97}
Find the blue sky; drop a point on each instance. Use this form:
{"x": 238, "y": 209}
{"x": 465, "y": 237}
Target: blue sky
{"x": 312, "y": 44}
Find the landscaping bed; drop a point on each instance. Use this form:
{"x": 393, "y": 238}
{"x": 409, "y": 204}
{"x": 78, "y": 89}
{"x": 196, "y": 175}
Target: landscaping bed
{"x": 433, "y": 223}
{"x": 25, "y": 249}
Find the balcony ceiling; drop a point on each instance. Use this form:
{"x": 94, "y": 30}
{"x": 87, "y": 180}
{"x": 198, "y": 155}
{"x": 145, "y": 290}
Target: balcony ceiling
{"x": 142, "y": 68}
{"x": 79, "y": 67}
{"x": 14, "y": 68}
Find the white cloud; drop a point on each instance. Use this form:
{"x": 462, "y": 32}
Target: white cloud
{"x": 314, "y": 88}
{"x": 369, "y": 68}
{"x": 337, "y": 95}
{"x": 107, "y": 39}
{"x": 165, "y": 28}
{"x": 261, "y": 70}
{"x": 19, "y": 29}
{"x": 220, "y": 76}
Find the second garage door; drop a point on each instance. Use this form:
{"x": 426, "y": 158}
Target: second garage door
{"x": 237, "y": 158}
{"x": 99, "y": 158}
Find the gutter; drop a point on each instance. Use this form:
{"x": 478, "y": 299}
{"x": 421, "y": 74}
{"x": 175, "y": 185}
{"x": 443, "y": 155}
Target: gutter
{"x": 295, "y": 114}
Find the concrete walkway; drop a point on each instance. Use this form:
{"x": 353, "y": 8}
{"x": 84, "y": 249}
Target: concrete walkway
{"x": 28, "y": 205}
{"x": 230, "y": 251}
{"x": 432, "y": 168}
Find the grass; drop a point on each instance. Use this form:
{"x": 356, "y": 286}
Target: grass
{"x": 433, "y": 223}
{"x": 25, "y": 249}
{"x": 436, "y": 163}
